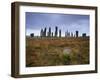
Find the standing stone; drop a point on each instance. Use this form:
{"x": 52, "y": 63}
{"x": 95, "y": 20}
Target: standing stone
{"x": 52, "y": 34}
{"x": 84, "y": 35}
{"x": 77, "y": 34}
{"x": 41, "y": 33}
{"x": 44, "y": 33}
{"x": 71, "y": 34}
{"x": 32, "y": 34}
{"x": 60, "y": 33}
{"x": 65, "y": 34}
{"x": 68, "y": 34}
{"x": 49, "y": 33}
{"x": 56, "y": 31}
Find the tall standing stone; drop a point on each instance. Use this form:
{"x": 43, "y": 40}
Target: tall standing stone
{"x": 60, "y": 33}
{"x": 71, "y": 34}
{"x": 56, "y": 31}
{"x": 49, "y": 33}
{"x": 77, "y": 34}
{"x": 52, "y": 34}
{"x": 41, "y": 33}
{"x": 44, "y": 33}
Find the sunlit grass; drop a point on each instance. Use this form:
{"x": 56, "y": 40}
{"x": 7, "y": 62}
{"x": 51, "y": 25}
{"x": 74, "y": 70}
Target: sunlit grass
{"x": 52, "y": 52}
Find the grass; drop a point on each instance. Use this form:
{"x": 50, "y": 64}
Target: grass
{"x": 58, "y": 51}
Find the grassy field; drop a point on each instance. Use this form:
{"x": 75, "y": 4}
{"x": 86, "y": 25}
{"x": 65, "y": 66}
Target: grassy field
{"x": 56, "y": 51}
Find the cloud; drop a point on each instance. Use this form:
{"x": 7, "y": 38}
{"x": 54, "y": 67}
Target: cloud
{"x": 71, "y": 22}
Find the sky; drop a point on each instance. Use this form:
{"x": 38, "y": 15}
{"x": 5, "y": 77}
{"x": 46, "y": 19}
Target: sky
{"x": 71, "y": 22}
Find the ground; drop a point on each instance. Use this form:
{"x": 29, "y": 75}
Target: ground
{"x": 56, "y": 51}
